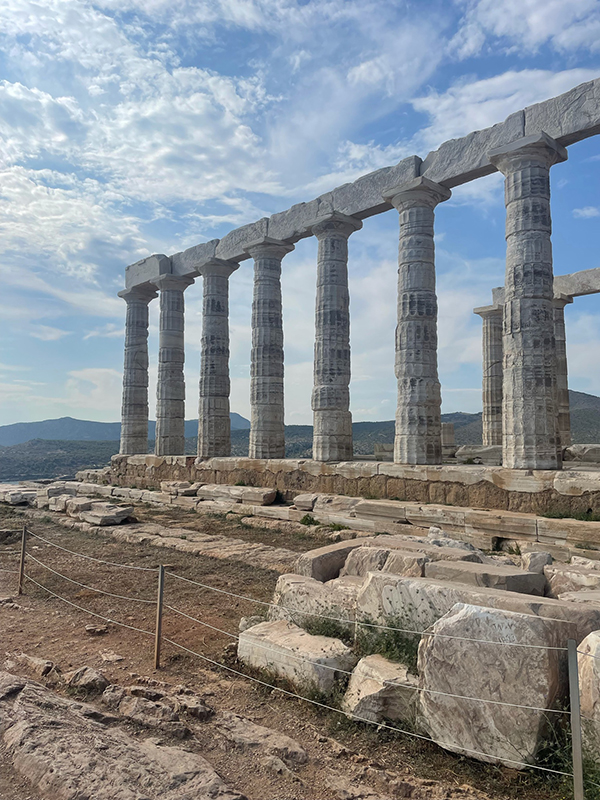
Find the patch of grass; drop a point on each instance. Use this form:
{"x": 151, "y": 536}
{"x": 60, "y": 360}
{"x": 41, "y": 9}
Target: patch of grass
{"x": 240, "y": 483}
{"x": 392, "y": 644}
{"x": 308, "y": 519}
{"x": 582, "y": 516}
{"x": 335, "y": 526}
{"x": 317, "y": 626}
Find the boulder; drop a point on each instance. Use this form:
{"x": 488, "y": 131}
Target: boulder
{"x": 588, "y": 662}
{"x": 451, "y": 663}
{"x": 106, "y": 514}
{"x": 380, "y": 689}
{"x": 289, "y": 652}
{"x": 492, "y": 576}
{"x": 566, "y": 578}
{"x": 325, "y": 563}
{"x": 86, "y": 678}
{"x": 536, "y": 561}
{"x": 369, "y": 559}
{"x": 298, "y": 598}
{"x": 305, "y": 502}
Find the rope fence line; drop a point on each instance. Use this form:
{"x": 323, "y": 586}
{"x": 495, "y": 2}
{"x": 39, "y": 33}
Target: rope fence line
{"x": 11, "y": 571}
{"x": 90, "y": 558}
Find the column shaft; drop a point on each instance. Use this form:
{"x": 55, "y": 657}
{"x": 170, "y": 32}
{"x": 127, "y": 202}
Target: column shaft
{"x": 214, "y": 426}
{"x": 332, "y": 420}
{"x": 562, "y": 377}
{"x": 134, "y": 409}
{"x": 267, "y": 432}
{"x": 418, "y": 424}
{"x": 529, "y": 388}
{"x": 170, "y": 388}
{"x": 491, "y": 317}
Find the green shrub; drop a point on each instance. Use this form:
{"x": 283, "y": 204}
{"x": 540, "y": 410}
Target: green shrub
{"x": 317, "y": 626}
{"x": 308, "y": 519}
{"x": 393, "y": 644}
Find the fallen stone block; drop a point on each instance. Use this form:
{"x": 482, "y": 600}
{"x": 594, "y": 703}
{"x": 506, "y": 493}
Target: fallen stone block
{"x": 325, "y": 563}
{"x": 520, "y": 676}
{"x": 298, "y": 598}
{"x": 158, "y": 498}
{"x": 588, "y": 663}
{"x": 179, "y": 487}
{"x": 593, "y": 596}
{"x": 217, "y": 491}
{"x": 84, "y": 488}
{"x": 384, "y": 510}
{"x": 565, "y": 578}
{"x": 106, "y": 514}
{"x": 59, "y": 502}
{"x": 289, "y": 652}
{"x": 75, "y": 505}
{"x": 490, "y": 455}
{"x": 369, "y": 559}
{"x": 335, "y": 503}
{"x": 491, "y": 576}
{"x": 305, "y": 502}
{"x": 588, "y": 563}
{"x": 536, "y": 561}
{"x": 380, "y": 689}
{"x": 429, "y": 547}
{"x": 183, "y": 501}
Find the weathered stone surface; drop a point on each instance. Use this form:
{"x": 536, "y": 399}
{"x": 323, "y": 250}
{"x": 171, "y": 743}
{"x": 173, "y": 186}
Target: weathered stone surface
{"x": 490, "y": 576}
{"x": 588, "y": 563}
{"x": 363, "y": 560}
{"x": 335, "y": 503}
{"x": 582, "y": 596}
{"x": 179, "y": 488}
{"x": 490, "y": 455}
{"x": 535, "y": 561}
{"x": 586, "y": 453}
{"x": 380, "y": 689}
{"x": 148, "y": 713}
{"x": 401, "y": 562}
{"x": 75, "y": 505}
{"x": 305, "y": 502}
{"x": 388, "y": 510}
{"x": 325, "y": 563}
{"x": 290, "y": 652}
{"x": 532, "y": 676}
{"x": 570, "y": 117}
{"x": 86, "y": 678}
{"x": 298, "y": 598}
{"x": 565, "y": 578}
{"x": 435, "y": 552}
{"x": 588, "y": 663}
{"x": 106, "y": 514}
{"x": 187, "y": 262}
{"x": 59, "y": 502}
{"x": 51, "y": 740}
{"x": 248, "y": 736}
{"x": 234, "y": 245}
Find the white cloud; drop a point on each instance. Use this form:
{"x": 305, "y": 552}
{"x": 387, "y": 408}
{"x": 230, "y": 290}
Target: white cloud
{"x": 587, "y": 212}
{"x": 48, "y": 334}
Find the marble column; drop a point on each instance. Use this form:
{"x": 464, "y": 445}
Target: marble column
{"x": 562, "y": 377}
{"x": 134, "y": 409}
{"x": 418, "y": 424}
{"x": 491, "y": 317}
{"x": 170, "y": 387}
{"x": 267, "y": 434}
{"x": 529, "y": 388}
{"x": 214, "y": 427}
{"x": 332, "y": 420}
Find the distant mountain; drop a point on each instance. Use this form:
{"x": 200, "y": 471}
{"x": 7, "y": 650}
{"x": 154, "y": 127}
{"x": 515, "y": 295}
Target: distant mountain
{"x": 69, "y": 429}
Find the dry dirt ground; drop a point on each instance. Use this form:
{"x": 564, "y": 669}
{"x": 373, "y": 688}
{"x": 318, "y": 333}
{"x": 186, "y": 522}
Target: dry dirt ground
{"x": 47, "y": 627}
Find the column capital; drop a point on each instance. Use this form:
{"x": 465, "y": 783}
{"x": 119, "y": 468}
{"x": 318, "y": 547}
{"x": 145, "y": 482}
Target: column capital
{"x": 166, "y": 282}
{"x": 417, "y": 192}
{"x": 539, "y": 147}
{"x": 270, "y": 248}
{"x": 335, "y": 223}
{"x": 561, "y": 300}
{"x": 488, "y": 311}
{"x": 144, "y": 293}
{"x": 218, "y": 266}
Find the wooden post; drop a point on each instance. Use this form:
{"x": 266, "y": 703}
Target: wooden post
{"x": 22, "y": 560}
{"x": 575, "y": 721}
{"x": 159, "y": 610}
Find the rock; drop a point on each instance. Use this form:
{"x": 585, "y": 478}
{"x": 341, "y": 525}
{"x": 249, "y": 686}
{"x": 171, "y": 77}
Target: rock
{"x": 59, "y": 502}
{"x": 289, "y": 652}
{"x": 592, "y": 596}
{"x": 298, "y": 598}
{"x": 364, "y": 559}
{"x": 41, "y": 666}
{"x": 511, "y": 579}
{"x": 111, "y": 656}
{"x": 589, "y": 453}
{"x": 305, "y": 502}
{"x": 565, "y": 578}
{"x": 66, "y": 751}
{"x": 490, "y": 455}
{"x": 588, "y": 662}
{"x": 258, "y": 496}
{"x": 325, "y": 563}
{"x": 250, "y": 622}
{"x": 106, "y": 514}
{"x": 77, "y": 504}
{"x": 335, "y": 503}
{"x": 405, "y": 563}
{"x": 193, "y": 706}
{"x": 180, "y": 488}
{"x": 535, "y": 561}
{"x": 86, "y": 678}
{"x": 516, "y": 675}
{"x": 435, "y": 550}
{"x": 144, "y": 712}
{"x": 588, "y": 563}
{"x": 96, "y": 630}
{"x": 248, "y": 736}
{"x": 380, "y": 689}
{"x": 9, "y": 603}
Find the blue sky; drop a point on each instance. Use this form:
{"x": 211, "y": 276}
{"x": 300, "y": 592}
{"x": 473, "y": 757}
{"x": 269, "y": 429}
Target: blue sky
{"x": 129, "y": 127}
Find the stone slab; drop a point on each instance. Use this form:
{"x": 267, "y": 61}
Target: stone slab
{"x": 381, "y": 689}
{"x": 566, "y": 578}
{"x": 489, "y": 576}
{"x": 324, "y": 563}
{"x": 298, "y": 598}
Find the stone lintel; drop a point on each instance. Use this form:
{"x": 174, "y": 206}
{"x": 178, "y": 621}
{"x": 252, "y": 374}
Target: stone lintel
{"x": 419, "y": 188}
{"x": 533, "y": 144}
{"x": 269, "y": 247}
{"x": 146, "y": 270}
{"x": 578, "y": 284}
{"x": 218, "y": 266}
{"x": 186, "y": 262}
{"x": 345, "y": 223}
{"x": 488, "y": 311}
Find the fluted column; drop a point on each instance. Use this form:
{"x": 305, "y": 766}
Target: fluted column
{"x": 170, "y": 387}
{"x": 267, "y": 434}
{"x": 562, "y": 376}
{"x": 491, "y": 317}
{"x": 418, "y": 424}
{"x": 530, "y": 388}
{"x": 214, "y": 426}
{"x": 134, "y": 409}
{"x": 332, "y": 420}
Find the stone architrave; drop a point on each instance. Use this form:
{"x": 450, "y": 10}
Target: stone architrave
{"x": 530, "y": 388}
{"x": 332, "y": 419}
{"x": 418, "y": 423}
{"x": 134, "y": 409}
{"x": 214, "y": 425}
{"x": 491, "y": 317}
{"x": 170, "y": 387}
{"x": 562, "y": 375}
{"x": 267, "y": 434}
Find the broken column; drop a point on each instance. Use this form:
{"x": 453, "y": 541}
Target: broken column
{"x": 530, "y": 387}
{"x": 170, "y": 387}
{"x": 418, "y": 436}
{"x": 134, "y": 409}
{"x": 491, "y": 317}
{"x": 214, "y": 426}
{"x": 562, "y": 377}
{"x": 332, "y": 420}
{"x": 267, "y": 434}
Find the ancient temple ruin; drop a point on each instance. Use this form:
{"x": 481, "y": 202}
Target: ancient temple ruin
{"x": 525, "y": 370}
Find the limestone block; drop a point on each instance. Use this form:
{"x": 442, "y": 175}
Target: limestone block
{"x": 363, "y": 197}
{"x": 186, "y": 502}
{"x": 86, "y": 678}
{"x": 490, "y": 455}
{"x": 379, "y": 690}
{"x": 400, "y": 562}
{"x": 335, "y": 503}
{"x": 305, "y": 502}
{"x": 589, "y": 563}
{"x": 325, "y": 563}
{"x": 516, "y": 675}
{"x": 217, "y": 491}
{"x": 491, "y": 576}
{"x": 388, "y": 510}
{"x": 363, "y": 560}
{"x": 77, "y": 504}
{"x": 59, "y": 502}
{"x": 232, "y": 247}
{"x": 119, "y": 491}
{"x": 589, "y": 453}
{"x": 501, "y": 524}
{"x": 184, "y": 488}
{"x": 289, "y": 652}
{"x": 56, "y": 489}
{"x": 187, "y": 262}
{"x": 588, "y": 662}
{"x": 572, "y": 531}
{"x": 565, "y": 578}
{"x": 104, "y": 491}
{"x": 82, "y": 488}
{"x": 297, "y": 221}
{"x": 535, "y": 561}
{"x": 416, "y": 603}
{"x": 449, "y": 518}
{"x": 159, "y": 498}
{"x": 106, "y": 514}
{"x": 298, "y": 598}
{"x": 257, "y": 495}
{"x": 570, "y": 117}
{"x": 592, "y": 596}
{"x": 426, "y": 546}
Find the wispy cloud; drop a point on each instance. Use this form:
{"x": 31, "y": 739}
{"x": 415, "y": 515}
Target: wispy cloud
{"x": 587, "y": 212}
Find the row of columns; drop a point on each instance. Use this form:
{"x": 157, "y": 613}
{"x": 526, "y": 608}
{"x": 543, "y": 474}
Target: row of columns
{"x": 523, "y": 416}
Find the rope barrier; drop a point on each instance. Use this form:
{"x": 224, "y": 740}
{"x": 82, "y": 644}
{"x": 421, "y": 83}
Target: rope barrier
{"x": 11, "y": 571}
{"x": 90, "y": 558}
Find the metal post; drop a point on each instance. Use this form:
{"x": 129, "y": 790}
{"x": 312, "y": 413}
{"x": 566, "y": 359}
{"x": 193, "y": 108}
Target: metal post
{"x": 22, "y": 560}
{"x": 159, "y": 610}
{"x": 575, "y": 721}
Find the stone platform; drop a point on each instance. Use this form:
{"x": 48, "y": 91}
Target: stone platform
{"x": 567, "y": 492}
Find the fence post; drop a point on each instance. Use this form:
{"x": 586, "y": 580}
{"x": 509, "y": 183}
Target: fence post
{"x": 575, "y": 721}
{"x": 159, "y": 610}
{"x": 22, "y": 560}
